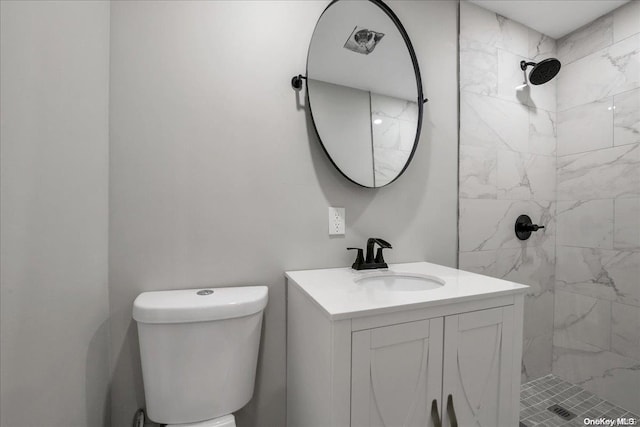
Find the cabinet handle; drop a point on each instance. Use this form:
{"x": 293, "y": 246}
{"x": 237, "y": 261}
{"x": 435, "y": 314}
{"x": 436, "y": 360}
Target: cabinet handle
{"x": 434, "y": 414}
{"x": 452, "y": 412}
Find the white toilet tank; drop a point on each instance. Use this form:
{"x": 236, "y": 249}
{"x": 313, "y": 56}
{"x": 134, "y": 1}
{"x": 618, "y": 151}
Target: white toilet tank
{"x": 199, "y": 350}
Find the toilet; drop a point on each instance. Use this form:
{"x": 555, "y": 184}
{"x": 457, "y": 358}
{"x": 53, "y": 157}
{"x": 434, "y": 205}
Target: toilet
{"x": 199, "y": 352}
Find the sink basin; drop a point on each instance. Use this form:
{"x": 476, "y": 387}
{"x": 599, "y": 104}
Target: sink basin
{"x": 401, "y": 282}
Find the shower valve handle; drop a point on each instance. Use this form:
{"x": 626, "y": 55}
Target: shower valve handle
{"x": 524, "y": 227}
{"x": 530, "y": 227}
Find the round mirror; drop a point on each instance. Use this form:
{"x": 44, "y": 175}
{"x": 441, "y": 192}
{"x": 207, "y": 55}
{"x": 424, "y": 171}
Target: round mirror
{"x": 364, "y": 91}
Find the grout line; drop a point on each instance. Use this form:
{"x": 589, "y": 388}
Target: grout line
{"x": 599, "y": 249}
{"x": 559, "y": 156}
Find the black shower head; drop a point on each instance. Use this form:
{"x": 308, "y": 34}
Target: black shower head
{"x": 542, "y": 71}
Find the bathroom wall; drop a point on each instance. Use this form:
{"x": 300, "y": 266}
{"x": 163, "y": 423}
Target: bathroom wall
{"x": 507, "y": 168}
{"x": 597, "y": 307}
{"x": 54, "y": 162}
{"x": 217, "y": 178}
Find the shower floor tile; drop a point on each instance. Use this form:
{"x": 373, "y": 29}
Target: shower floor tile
{"x": 537, "y": 395}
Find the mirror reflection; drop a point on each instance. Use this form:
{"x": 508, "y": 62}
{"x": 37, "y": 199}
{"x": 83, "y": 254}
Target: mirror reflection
{"x": 364, "y": 90}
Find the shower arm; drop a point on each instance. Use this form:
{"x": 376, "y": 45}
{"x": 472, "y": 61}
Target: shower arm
{"x": 525, "y": 64}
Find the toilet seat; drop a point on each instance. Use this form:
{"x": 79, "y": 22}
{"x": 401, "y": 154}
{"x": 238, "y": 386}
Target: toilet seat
{"x": 224, "y": 421}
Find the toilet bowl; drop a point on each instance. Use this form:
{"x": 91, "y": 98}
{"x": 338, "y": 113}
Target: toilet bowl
{"x": 199, "y": 352}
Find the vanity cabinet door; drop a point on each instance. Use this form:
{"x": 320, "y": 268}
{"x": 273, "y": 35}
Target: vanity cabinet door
{"x": 478, "y": 368}
{"x": 396, "y": 374}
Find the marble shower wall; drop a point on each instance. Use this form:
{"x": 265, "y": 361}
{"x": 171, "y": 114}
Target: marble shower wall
{"x": 596, "y": 341}
{"x": 508, "y": 168}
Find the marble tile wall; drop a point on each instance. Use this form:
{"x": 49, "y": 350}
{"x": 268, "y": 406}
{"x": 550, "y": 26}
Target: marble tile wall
{"x": 596, "y": 341}
{"x": 508, "y": 168}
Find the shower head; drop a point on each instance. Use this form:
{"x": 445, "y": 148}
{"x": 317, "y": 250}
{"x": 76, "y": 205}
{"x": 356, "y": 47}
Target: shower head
{"x": 542, "y": 71}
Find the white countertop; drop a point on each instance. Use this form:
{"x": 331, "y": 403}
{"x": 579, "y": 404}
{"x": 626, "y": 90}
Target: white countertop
{"x": 340, "y": 297}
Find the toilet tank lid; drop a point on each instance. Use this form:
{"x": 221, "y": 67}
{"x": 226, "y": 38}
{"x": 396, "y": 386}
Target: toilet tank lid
{"x": 199, "y": 305}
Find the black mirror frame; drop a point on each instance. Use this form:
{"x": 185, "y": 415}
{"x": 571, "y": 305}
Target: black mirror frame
{"x": 416, "y": 69}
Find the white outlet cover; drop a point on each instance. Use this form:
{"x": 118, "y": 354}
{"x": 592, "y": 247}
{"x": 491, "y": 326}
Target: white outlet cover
{"x": 336, "y": 221}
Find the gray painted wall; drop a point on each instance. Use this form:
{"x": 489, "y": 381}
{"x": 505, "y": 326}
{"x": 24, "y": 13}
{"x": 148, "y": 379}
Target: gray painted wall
{"x": 54, "y": 295}
{"x": 217, "y": 178}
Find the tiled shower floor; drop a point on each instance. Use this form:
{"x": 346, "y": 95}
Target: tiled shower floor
{"x": 537, "y": 395}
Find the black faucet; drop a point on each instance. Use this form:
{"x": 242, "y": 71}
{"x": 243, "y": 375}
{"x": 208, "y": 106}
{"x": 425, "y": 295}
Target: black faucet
{"x": 370, "y": 263}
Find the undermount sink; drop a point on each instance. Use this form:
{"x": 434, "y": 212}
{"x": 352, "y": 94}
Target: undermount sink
{"x": 403, "y": 282}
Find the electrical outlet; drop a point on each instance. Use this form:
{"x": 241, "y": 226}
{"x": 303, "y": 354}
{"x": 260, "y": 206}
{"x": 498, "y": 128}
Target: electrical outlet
{"x": 336, "y": 221}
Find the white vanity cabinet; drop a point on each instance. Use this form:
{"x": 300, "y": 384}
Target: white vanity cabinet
{"x": 359, "y": 358}
{"x": 398, "y": 371}
{"x": 481, "y": 371}
{"x": 396, "y": 374}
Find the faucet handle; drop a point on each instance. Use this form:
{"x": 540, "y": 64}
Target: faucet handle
{"x": 384, "y": 244}
{"x": 359, "y": 258}
{"x": 379, "y": 258}
{"x": 381, "y": 242}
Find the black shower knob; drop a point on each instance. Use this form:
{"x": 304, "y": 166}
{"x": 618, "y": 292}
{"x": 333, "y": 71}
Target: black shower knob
{"x": 524, "y": 227}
